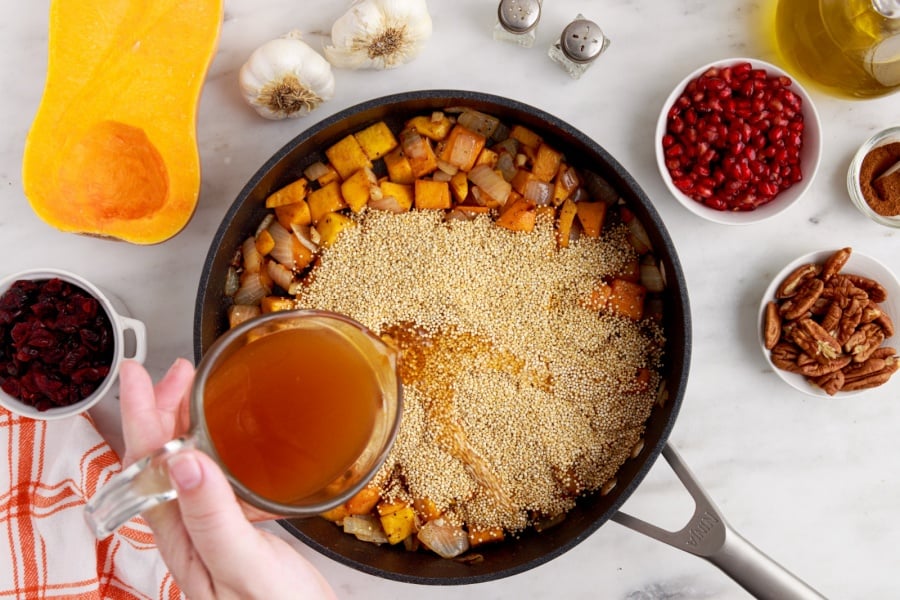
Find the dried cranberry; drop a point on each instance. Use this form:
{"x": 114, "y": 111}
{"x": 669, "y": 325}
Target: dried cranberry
{"x": 56, "y": 343}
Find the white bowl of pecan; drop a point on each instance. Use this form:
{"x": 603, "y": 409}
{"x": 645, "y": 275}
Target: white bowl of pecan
{"x": 827, "y": 323}
{"x": 738, "y": 141}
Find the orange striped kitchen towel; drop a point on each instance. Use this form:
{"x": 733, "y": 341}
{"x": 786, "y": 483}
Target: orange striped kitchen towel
{"x": 51, "y": 468}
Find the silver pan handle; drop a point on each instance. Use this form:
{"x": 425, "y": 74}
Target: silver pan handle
{"x": 709, "y": 536}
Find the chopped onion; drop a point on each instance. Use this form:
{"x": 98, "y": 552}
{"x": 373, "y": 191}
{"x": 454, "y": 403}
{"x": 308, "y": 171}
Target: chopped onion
{"x": 315, "y": 170}
{"x": 447, "y": 167}
{"x": 413, "y": 144}
{"x": 388, "y": 203}
{"x": 281, "y": 275}
{"x": 509, "y": 146}
{"x": 437, "y": 116}
{"x": 569, "y": 178}
{"x": 251, "y": 257}
{"x": 638, "y": 237}
{"x": 302, "y": 233}
{"x": 651, "y": 276}
{"x": 506, "y": 166}
{"x": 479, "y": 122}
{"x": 491, "y": 183}
{"x": 458, "y": 215}
{"x": 252, "y": 289}
{"x": 232, "y": 281}
{"x": 539, "y": 192}
{"x": 366, "y": 528}
{"x": 444, "y": 539}
{"x": 441, "y": 176}
{"x": 238, "y": 313}
{"x": 264, "y": 224}
{"x": 521, "y": 160}
{"x": 283, "y": 251}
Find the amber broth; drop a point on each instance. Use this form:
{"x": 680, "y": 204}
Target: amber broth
{"x": 290, "y": 412}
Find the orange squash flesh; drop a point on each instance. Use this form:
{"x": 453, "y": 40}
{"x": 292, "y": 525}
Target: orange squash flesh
{"x": 112, "y": 150}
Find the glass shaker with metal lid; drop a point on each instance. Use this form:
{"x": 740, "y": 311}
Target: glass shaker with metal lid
{"x": 579, "y": 45}
{"x": 517, "y": 21}
{"x": 850, "y": 48}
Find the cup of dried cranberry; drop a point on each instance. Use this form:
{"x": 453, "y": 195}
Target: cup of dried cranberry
{"x": 738, "y": 141}
{"x": 873, "y": 178}
{"x": 61, "y": 342}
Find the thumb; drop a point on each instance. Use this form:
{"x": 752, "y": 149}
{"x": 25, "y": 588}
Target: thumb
{"x": 210, "y": 512}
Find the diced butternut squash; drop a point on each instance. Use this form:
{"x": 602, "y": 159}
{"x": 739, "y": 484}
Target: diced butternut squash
{"x": 567, "y": 213}
{"x": 432, "y": 194}
{"x": 419, "y": 152}
{"x": 356, "y": 190}
{"x": 459, "y": 186}
{"x": 364, "y": 501}
{"x": 336, "y": 514}
{"x": 546, "y": 163}
{"x": 293, "y": 214}
{"x": 591, "y": 216}
{"x": 599, "y": 296}
{"x": 347, "y": 156}
{"x": 376, "y": 140}
{"x": 264, "y": 242}
{"x": 275, "y": 303}
{"x": 398, "y": 167}
{"x": 473, "y": 210}
{"x": 399, "y": 523}
{"x": 328, "y": 176}
{"x": 330, "y": 226}
{"x": 303, "y": 256}
{"x": 289, "y": 194}
{"x": 479, "y": 536}
{"x": 566, "y": 182}
{"x": 488, "y": 157}
{"x": 518, "y": 216}
{"x": 325, "y": 200}
{"x": 626, "y": 298}
{"x": 520, "y": 180}
{"x": 525, "y": 136}
{"x": 463, "y": 147}
{"x": 404, "y": 194}
{"x": 434, "y": 126}
{"x": 426, "y": 509}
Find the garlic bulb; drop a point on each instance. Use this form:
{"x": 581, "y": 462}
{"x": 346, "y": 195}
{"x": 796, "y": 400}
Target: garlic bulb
{"x": 379, "y": 34}
{"x": 286, "y": 78}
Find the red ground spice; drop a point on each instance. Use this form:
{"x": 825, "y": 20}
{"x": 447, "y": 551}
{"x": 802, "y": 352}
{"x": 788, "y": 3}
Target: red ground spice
{"x": 882, "y": 195}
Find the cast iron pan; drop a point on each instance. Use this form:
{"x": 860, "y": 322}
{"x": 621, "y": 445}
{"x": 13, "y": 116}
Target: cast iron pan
{"x": 531, "y": 549}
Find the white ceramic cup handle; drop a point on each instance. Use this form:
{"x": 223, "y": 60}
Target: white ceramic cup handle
{"x": 140, "y": 337}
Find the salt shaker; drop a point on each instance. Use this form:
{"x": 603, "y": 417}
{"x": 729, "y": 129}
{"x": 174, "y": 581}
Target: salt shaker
{"x": 517, "y": 21}
{"x": 580, "y": 43}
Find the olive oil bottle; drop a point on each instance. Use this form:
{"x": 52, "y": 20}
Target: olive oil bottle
{"x": 851, "y": 48}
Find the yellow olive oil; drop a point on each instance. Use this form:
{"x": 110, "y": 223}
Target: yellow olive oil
{"x": 847, "y": 47}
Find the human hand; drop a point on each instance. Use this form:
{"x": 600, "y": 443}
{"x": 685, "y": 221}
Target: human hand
{"x": 205, "y": 538}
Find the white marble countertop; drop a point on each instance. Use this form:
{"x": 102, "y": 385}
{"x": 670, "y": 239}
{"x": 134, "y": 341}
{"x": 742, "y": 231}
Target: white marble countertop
{"x": 814, "y": 483}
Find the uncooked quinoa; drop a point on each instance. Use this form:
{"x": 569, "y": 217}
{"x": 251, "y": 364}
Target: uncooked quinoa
{"x": 518, "y": 397}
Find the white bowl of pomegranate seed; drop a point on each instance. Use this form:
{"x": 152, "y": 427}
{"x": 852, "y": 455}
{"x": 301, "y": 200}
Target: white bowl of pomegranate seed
{"x": 62, "y": 340}
{"x": 738, "y": 141}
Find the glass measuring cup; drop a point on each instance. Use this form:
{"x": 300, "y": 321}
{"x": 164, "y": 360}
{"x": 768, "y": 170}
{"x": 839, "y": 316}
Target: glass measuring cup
{"x": 287, "y": 453}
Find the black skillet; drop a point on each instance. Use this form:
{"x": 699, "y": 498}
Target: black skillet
{"x": 707, "y": 534}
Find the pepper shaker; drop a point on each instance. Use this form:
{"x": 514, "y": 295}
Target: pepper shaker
{"x": 517, "y": 21}
{"x": 579, "y": 45}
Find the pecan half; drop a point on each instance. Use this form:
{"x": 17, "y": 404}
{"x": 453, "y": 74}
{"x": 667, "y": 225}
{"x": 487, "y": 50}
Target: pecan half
{"x": 873, "y": 380}
{"x": 875, "y": 290}
{"x": 870, "y": 312}
{"x": 887, "y": 325}
{"x": 832, "y": 318}
{"x": 815, "y": 341}
{"x": 831, "y": 383}
{"x": 795, "y": 279}
{"x": 803, "y": 300}
{"x": 784, "y": 356}
{"x": 772, "y": 325}
{"x": 815, "y": 369}
{"x": 834, "y": 263}
{"x": 864, "y": 342}
{"x": 851, "y": 315}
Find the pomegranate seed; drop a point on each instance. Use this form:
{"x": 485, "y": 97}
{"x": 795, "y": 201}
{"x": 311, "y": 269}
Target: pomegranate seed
{"x": 734, "y": 136}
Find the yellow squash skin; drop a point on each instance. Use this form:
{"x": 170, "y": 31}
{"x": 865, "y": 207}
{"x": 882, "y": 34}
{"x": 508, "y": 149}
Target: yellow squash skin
{"x": 112, "y": 151}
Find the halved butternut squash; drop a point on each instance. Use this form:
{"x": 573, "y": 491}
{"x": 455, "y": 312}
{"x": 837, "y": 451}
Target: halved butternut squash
{"x": 112, "y": 151}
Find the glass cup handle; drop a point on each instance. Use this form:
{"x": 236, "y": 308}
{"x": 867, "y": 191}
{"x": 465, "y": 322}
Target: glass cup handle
{"x": 139, "y": 487}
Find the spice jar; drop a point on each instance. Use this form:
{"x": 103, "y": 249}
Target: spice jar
{"x": 517, "y": 21}
{"x": 579, "y": 45}
{"x": 874, "y": 187}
